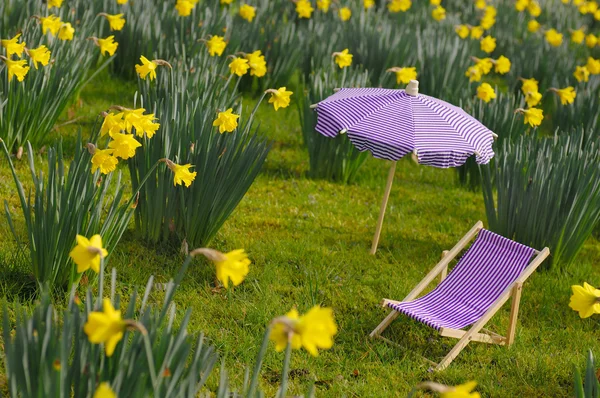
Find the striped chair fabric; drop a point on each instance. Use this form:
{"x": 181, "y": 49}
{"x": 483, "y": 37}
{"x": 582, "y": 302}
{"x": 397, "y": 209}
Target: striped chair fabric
{"x": 491, "y": 264}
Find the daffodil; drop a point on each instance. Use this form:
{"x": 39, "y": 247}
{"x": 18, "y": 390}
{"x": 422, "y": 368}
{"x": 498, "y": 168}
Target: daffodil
{"x": 461, "y": 391}
{"x": 181, "y": 173}
{"x": 488, "y": 44}
{"x": 144, "y": 125}
{"x": 582, "y": 74}
{"x": 112, "y": 124}
{"x": 184, "y": 7}
{"x": 591, "y": 40}
{"x": 502, "y": 65}
{"x": 577, "y": 36}
{"x": 532, "y": 98}
{"x": 439, "y": 13}
{"x": 231, "y": 267}
{"x": 593, "y": 66}
{"x": 40, "y": 54}
{"x": 566, "y": 95}
{"x": 367, "y": 4}
{"x": 51, "y": 24}
{"x": 487, "y": 22}
{"x": 257, "y": 63}
{"x": 66, "y": 31}
{"x": 104, "y": 390}
{"x": 55, "y": 3}
{"x": 529, "y": 85}
{"x": 473, "y": 73}
{"x": 146, "y": 68}
{"x": 122, "y": 2}
{"x": 554, "y": 38}
{"x": 105, "y": 327}
{"x": 585, "y": 300}
{"x": 124, "y": 145}
{"x": 16, "y": 68}
{"x": 404, "y": 75}
{"x": 87, "y": 253}
{"x": 343, "y": 58}
{"x": 485, "y": 92}
{"x": 521, "y": 5}
{"x": 533, "y": 116}
{"x": 345, "y": 13}
{"x": 107, "y": 45}
{"x": 312, "y": 331}
{"x": 435, "y": 2}
{"x": 304, "y": 9}
{"x": 533, "y": 26}
{"x": 216, "y": 45}
{"x": 12, "y": 46}
{"x": 280, "y": 98}
{"x": 226, "y": 121}
{"x": 247, "y": 12}
{"x": 534, "y": 9}
{"x": 104, "y": 160}
{"x": 116, "y": 21}
{"x": 239, "y": 66}
{"x": 484, "y": 64}
{"x": 480, "y": 4}
{"x": 476, "y": 32}
{"x": 323, "y": 5}
{"x": 225, "y": 1}
{"x": 399, "y": 5}
{"x": 462, "y": 31}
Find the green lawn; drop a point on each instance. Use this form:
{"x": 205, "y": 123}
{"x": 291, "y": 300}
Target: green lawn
{"x": 309, "y": 242}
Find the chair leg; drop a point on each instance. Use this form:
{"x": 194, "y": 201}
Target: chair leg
{"x": 462, "y": 343}
{"x": 514, "y": 313}
{"x": 384, "y": 324}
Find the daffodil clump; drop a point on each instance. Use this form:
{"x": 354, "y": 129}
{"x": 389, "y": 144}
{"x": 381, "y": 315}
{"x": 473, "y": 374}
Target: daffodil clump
{"x": 14, "y": 50}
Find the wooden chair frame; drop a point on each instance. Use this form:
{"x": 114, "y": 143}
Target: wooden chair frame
{"x": 473, "y": 334}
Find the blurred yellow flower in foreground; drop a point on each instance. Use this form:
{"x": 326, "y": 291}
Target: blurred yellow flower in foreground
{"x": 146, "y": 68}
{"x": 585, "y": 300}
{"x": 577, "y": 36}
{"x": 480, "y": 4}
{"x": 370, "y": 4}
{"x": 534, "y": 9}
{"x": 502, "y": 65}
{"x": 304, "y": 9}
{"x": 485, "y": 92}
{"x": 181, "y": 173}
{"x": 591, "y": 40}
{"x": 239, "y": 66}
{"x": 116, "y": 21}
{"x": 184, "y": 7}
{"x": 216, "y": 45}
{"x": 103, "y": 160}
{"x": 16, "y": 68}
{"x": 473, "y": 73}
{"x": 554, "y": 38}
{"x": 104, "y": 390}
{"x": 87, "y": 253}
{"x": 122, "y": 1}
{"x": 593, "y": 66}
{"x": 343, "y": 59}
{"x": 108, "y": 45}
{"x": 66, "y": 31}
{"x": 533, "y": 26}
{"x": 105, "y": 327}
{"x": 532, "y": 98}
{"x": 582, "y": 74}
{"x": 225, "y": 1}
{"x": 40, "y": 54}
{"x": 247, "y": 12}
{"x": 55, "y": 3}
{"x": 460, "y": 391}
{"x": 439, "y": 13}
{"x": 533, "y": 116}
{"x": 484, "y": 64}
{"x": 226, "y": 121}
{"x": 51, "y": 23}
{"x": 313, "y": 331}
{"x": 399, "y": 5}
{"x": 280, "y": 98}
{"x": 566, "y": 95}
{"x": 462, "y": 31}
{"x": 488, "y": 44}
{"x": 12, "y": 46}
{"x": 476, "y": 32}
{"x": 323, "y": 5}
{"x": 345, "y": 13}
{"x": 257, "y": 63}
{"x": 404, "y": 74}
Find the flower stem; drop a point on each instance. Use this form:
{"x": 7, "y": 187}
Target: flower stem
{"x": 286, "y": 370}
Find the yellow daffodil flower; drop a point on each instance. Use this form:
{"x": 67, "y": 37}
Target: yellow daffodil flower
{"x": 591, "y": 40}
{"x": 521, "y": 5}
{"x": 323, "y": 5}
{"x": 66, "y": 31}
{"x": 367, "y": 4}
{"x": 184, "y": 7}
{"x": 12, "y": 46}
{"x": 461, "y": 391}
{"x": 40, "y": 54}
{"x": 487, "y": 22}
{"x": 247, "y": 12}
{"x": 532, "y": 98}
{"x": 181, "y": 173}
{"x": 345, "y": 13}
{"x": 304, "y": 9}
{"x": 312, "y": 331}
{"x": 554, "y": 38}
{"x": 462, "y": 31}
{"x": 577, "y": 36}
{"x": 112, "y": 124}
{"x": 485, "y": 92}
{"x": 87, "y": 253}
{"x": 124, "y": 145}
{"x": 435, "y": 2}
{"x": 343, "y": 59}
{"x": 593, "y": 66}
{"x": 105, "y": 327}
{"x": 488, "y": 44}
{"x": 404, "y": 75}
{"x": 566, "y": 95}
{"x": 104, "y": 390}
{"x": 257, "y": 63}
{"x": 502, "y": 65}
{"x": 107, "y": 45}
{"x": 232, "y": 266}
{"x": 529, "y": 85}
{"x": 143, "y": 124}
{"x": 146, "y": 68}
{"x": 533, "y": 116}
{"x": 473, "y": 73}
{"x": 439, "y": 13}
{"x": 225, "y": 1}
{"x": 534, "y": 9}
{"x": 484, "y": 64}
{"x": 533, "y": 26}
{"x": 216, "y": 45}
{"x": 55, "y": 3}
{"x": 226, "y": 121}
{"x": 480, "y": 4}
{"x": 51, "y": 24}
{"x": 582, "y": 74}
{"x": 585, "y": 300}
{"x": 16, "y": 68}
{"x": 280, "y": 98}
{"x": 104, "y": 160}
{"x": 476, "y": 32}
{"x": 239, "y": 66}
{"x": 122, "y": 2}
{"x": 399, "y": 5}
{"x": 116, "y": 22}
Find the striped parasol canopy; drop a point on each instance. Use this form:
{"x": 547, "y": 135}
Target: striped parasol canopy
{"x": 393, "y": 123}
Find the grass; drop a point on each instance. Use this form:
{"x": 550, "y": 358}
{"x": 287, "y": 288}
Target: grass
{"x": 309, "y": 242}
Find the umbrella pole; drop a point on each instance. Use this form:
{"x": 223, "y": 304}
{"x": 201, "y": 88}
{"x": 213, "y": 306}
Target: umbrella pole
{"x": 386, "y": 196}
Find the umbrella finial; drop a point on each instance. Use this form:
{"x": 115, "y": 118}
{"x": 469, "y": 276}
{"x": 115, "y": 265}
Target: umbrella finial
{"x": 413, "y": 88}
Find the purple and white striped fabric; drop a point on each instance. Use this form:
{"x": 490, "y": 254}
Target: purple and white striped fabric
{"x": 491, "y": 264}
{"x": 391, "y": 124}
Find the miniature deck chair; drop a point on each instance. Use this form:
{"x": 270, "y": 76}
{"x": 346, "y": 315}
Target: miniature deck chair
{"x": 489, "y": 273}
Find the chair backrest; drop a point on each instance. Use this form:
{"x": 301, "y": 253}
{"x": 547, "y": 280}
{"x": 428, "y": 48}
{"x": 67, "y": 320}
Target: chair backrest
{"x": 489, "y": 266}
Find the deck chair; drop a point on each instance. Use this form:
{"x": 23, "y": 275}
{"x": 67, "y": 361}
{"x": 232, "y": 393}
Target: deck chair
{"x": 492, "y": 270}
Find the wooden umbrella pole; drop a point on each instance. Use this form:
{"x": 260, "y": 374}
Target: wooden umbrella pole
{"x": 386, "y": 196}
